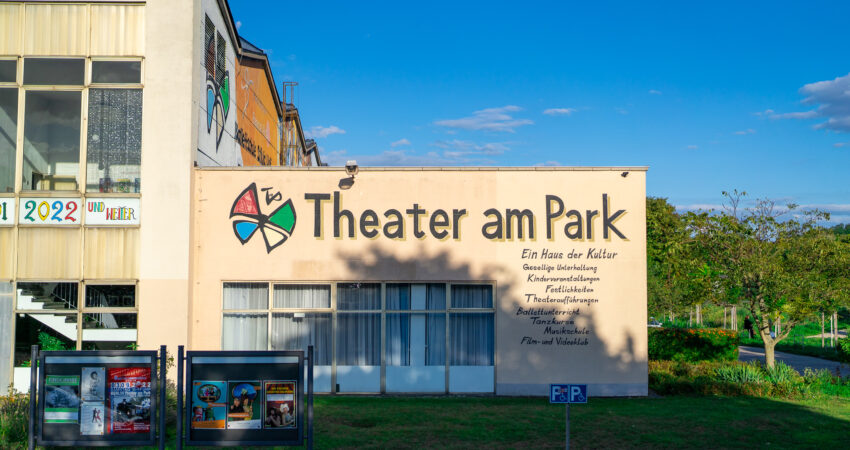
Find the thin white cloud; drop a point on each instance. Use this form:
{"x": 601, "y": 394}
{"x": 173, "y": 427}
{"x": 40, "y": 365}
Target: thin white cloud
{"x": 841, "y": 144}
{"x": 623, "y": 111}
{"x": 559, "y": 111}
{"x": 403, "y": 158}
{"x": 319, "y": 132}
{"x": 747, "y": 131}
{"x": 654, "y": 92}
{"x": 692, "y": 147}
{"x": 765, "y": 113}
{"x": 795, "y": 115}
{"x": 490, "y": 119}
{"x": 238, "y": 25}
{"x": 832, "y": 98}
{"x": 457, "y": 148}
{"x": 402, "y": 141}
{"x": 548, "y": 164}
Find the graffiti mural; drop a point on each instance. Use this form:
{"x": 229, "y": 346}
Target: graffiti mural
{"x": 217, "y": 145}
{"x": 248, "y": 218}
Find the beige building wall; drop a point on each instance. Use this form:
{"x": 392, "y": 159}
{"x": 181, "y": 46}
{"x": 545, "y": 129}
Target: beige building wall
{"x": 607, "y": 345}
{"x": 168, "y": 143}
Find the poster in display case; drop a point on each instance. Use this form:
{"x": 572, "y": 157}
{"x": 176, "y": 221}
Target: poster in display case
{"x": 245, "y": 398}
{"x": 97, "y": 398}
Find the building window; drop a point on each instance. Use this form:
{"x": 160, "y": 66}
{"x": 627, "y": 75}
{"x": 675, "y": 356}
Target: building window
{"x": 52, "y": 316}
{"x": 54, "y": 71}
{"x": 52, "y": 140}
{"x": 245, "y": 321}
{"x": 116, "y": 72}
{"x": 114, "y": 149}
{"x": 471, "y": 329}
{"x": 408, "y": 330}
{"x": 8, "y": 136}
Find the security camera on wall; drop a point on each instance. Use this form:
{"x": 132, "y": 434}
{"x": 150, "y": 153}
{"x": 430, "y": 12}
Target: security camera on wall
{"x": 351, "y": 168}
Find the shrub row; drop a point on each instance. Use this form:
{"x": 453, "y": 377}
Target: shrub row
{"x": 734, "y": 378}
{"x": 692, "y": 344}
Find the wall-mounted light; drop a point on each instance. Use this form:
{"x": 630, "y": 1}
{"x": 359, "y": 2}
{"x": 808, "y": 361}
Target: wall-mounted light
{"x": 351, "y": 168}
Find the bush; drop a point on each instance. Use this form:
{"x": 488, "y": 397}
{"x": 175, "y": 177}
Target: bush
{"x": 14, "y": 415}
{"x": 692, "y": 345}
{"x": 843, "y": 348}
{"x": 740, "y": 373}
{"x": 732, "y": 378}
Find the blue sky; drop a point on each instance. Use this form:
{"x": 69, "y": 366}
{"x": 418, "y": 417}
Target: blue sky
{"x": 711, "y": 96}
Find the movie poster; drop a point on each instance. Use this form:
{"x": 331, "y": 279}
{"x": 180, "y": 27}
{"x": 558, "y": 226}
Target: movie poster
{"x": 129, "y": 400}
{"x": 209, "y": 404}
{"x": 62, "y": 398}
{"x": 92, "y": 416}
{"x": 92, "y": 384}
{"x": 244, "y": 405}
{"x": 280, "y": 404}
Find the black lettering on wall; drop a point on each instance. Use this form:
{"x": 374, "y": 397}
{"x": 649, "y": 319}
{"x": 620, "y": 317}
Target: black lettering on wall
{"x": 608, "y": 221}
{"x": 496, "y": 224}
{"x": 439, "y": 220}
{"x": 368, "y": 222}
{"x": 511, "y": 214}
{"x": 398, "y": 224}
{"x": 317, "y": 211}
{"x": 589, "y": 221}
{"x": 457, "y": 214}
{"x": 339, "y": 214}
{"x": 416, "y": 211}
{"x": 552, "y": 216}
{"x": 578, "y": 233}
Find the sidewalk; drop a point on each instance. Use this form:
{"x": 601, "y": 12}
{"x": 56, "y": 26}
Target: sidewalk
{"x": 798, "y": 362}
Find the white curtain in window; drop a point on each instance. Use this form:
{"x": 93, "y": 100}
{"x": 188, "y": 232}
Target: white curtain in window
{"x": 472, "y": 296}
{"x": 398, "y": 339}
{"x": 398, "y": 297}
{"x": 435, "y": 335}
{"x": 471, "y": 338}
{"x": 297, "y": 333}
{"x": 302, "y": 296}
{"x": 244, "y": 331}
{"x": 358, "y": 296}
{"x": 246, "y": 295}
{"x": 358, "y": 339}
{"x": 435, "y": 297}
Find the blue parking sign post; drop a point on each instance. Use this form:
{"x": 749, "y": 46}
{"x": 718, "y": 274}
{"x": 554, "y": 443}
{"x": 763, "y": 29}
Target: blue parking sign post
{"x": 566, "y": 394}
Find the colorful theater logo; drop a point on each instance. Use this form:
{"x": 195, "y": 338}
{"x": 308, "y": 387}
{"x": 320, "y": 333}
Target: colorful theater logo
{"x": 247, "y": 218}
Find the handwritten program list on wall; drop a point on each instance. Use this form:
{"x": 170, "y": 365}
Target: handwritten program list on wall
{"x": 561, "y": 285}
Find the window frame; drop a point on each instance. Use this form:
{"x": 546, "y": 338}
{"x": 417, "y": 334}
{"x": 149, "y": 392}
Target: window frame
{"x": 81, "y": 309}
{"x": 84, "y": 118}
{"x": 383, "y": 311}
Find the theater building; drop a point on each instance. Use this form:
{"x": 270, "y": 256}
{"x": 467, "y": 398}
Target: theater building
{"x": 154, "y": 190}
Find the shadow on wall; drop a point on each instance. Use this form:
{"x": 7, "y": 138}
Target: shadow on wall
{"x": 612, "y": 365}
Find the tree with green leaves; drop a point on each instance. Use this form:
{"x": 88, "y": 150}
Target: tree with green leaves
{"x": 667, "y": 249}
{"x": 781, "y": 264}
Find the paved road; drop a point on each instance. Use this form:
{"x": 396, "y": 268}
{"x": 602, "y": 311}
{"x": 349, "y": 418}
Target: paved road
{"x": 798, "y": 362}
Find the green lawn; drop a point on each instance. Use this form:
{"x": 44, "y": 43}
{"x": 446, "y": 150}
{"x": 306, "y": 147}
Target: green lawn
{"x": 672, "y": 422}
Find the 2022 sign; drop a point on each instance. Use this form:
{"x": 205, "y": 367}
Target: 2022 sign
{"x": 49, "y": 211}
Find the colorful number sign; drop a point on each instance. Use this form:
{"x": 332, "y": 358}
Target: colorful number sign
{"x": 112, "y": 211}
{"x": 7, "y": 208}
{"x": 49, "y": 211}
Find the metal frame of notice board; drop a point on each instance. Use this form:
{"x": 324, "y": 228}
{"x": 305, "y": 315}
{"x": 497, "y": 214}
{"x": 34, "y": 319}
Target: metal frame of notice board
{"x": 228, "y": 367}
{"x": 64, "y": 362}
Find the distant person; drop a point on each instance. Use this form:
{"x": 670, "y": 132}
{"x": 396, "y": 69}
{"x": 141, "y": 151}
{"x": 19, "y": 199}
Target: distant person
{"x": 748, "y": 325}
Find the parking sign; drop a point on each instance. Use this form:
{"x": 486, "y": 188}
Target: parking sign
{"x": 567, "y": 393}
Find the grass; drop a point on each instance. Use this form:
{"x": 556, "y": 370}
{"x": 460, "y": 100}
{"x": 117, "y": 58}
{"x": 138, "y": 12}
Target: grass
{"x": 678, "y": 421}
{"x": 497, "y": 422}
